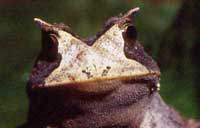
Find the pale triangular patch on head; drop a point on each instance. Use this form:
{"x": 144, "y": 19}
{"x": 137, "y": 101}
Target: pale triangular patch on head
{"x": 105, "y": 60}
{"x": 83, "y": 63}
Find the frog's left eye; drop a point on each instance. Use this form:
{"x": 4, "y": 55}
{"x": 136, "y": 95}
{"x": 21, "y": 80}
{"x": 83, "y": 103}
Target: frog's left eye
{"x": 131, "y": 32}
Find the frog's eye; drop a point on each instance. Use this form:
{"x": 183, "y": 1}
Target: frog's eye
{"x": 53, "y": 42}
{"x": 131, "y": 32}
{"x": 50, "y": 46}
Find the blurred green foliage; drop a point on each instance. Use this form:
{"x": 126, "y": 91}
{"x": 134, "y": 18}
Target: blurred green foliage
{"x": 20, "y": 43}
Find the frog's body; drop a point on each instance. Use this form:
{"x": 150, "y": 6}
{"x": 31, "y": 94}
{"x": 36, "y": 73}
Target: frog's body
{"x": 105, "y": 82}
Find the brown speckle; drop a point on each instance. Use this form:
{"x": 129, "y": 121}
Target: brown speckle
{"x": 71, "y": 77}
{"x": 79, "y": 55}
{"x": 108, "y": 67}
{"x": 87, "y": 73}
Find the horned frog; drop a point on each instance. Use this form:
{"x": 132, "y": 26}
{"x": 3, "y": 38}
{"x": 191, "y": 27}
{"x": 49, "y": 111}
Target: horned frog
{"x": 79, "y": 83}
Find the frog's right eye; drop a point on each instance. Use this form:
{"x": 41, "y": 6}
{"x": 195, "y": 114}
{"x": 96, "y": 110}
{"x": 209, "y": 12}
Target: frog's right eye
{"x": 49, "y": 46}
{"x": 52, "y": 47}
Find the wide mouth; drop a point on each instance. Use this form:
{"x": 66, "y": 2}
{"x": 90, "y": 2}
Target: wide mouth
{"x": 100, "y": 85}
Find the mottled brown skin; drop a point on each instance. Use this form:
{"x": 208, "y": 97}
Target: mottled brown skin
{"x": 127, "y": 105}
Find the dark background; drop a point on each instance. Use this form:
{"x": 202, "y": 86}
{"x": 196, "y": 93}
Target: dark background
{"x": 168, "y": 29}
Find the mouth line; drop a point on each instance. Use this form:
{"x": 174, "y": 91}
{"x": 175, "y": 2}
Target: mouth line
{"x": 96, "y": 83}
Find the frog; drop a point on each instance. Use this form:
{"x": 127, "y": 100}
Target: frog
{"x": 100, "y": 81}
